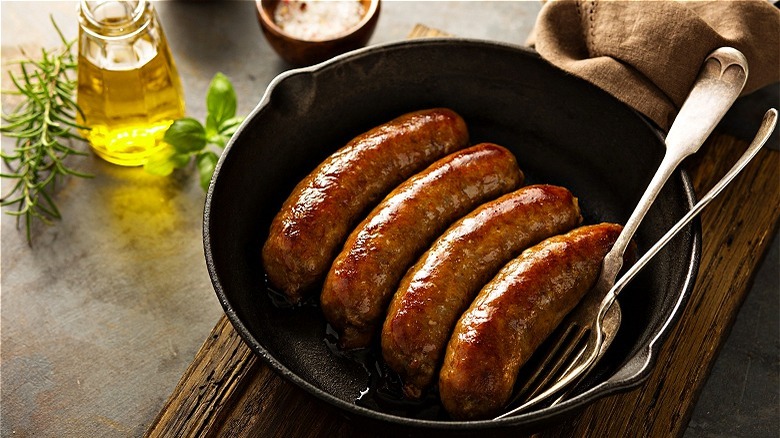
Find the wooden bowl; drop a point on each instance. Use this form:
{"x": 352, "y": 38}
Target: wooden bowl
{"x": 302, "y": 52}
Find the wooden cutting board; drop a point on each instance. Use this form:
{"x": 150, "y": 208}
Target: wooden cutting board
{"x": 228, "y": 391}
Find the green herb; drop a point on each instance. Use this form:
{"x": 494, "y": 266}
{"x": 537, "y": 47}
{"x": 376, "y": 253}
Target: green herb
{"x": 43, "y": 125}
{"x": 187, "y": 137}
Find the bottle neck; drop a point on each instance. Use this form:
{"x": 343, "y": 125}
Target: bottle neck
{"x": 113, "y": 18}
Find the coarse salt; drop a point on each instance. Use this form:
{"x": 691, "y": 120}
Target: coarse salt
{"x": 317, "y": 20}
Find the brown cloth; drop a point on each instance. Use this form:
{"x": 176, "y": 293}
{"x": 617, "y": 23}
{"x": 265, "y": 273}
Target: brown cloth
{"x": 648, "y": 53}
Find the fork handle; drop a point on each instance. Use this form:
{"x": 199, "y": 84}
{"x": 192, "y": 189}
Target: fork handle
{"x": 721, "y": 79}
{"x": 767, "y": 126}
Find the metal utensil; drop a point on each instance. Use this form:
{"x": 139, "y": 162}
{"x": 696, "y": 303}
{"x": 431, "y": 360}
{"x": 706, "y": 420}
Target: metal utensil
{"x": 721, "y": 79}
{"x": 601, "y": 335}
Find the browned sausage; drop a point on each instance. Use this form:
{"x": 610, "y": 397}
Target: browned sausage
{"x": 315, "y": 219}
{"x": 366, "y": 273}
{"x": 513, "y": 314}
{"x": 445, "y": 280}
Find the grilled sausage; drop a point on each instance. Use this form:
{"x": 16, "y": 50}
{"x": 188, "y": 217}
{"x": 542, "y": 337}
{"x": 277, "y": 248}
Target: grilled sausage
{"x": 316, "y": 218}
{"x": 366, "y": 273}
{"x": 513, "y": 314}
{"x": 445, "y": 280}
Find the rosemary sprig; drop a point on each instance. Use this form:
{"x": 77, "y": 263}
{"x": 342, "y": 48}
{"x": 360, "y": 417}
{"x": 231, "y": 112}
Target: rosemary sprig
{"x": 44, "y": 125}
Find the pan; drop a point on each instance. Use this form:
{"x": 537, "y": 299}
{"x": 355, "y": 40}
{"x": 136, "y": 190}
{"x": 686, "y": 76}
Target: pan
{"x": 562, "y": 130}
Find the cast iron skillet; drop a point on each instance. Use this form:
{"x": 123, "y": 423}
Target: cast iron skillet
{"x": 561, "y": 129}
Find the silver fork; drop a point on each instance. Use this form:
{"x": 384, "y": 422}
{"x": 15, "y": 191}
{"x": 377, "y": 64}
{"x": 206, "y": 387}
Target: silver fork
{"x": 721, "y": 79}
{"x": 599, "y": 342}
{"x": 601, "y": 335}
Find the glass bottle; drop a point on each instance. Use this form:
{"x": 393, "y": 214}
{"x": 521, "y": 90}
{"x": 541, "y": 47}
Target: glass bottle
{"x": 128, "y": 86}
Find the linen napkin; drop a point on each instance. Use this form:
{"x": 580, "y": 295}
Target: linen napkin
{"x": 648, "y": 53}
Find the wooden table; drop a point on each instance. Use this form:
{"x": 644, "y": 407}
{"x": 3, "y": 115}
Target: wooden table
{"x": 228, "y": 391}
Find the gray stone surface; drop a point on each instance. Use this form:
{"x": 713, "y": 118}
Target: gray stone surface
{"x": 101, "y": 317}
{"x": 741, "y": 395}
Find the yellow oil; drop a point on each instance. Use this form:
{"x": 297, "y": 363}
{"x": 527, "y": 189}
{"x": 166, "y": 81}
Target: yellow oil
{"x": 130, "y": 94}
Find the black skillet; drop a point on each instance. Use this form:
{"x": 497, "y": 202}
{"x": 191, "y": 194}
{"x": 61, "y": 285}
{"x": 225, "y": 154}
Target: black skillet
{"x": 562, "y": 130}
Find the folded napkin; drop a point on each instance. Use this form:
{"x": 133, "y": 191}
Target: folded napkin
{"x": 648, "y": 54}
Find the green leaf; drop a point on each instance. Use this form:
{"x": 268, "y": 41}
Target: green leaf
{"x": 218, "y": 140}
{"x": 180, "y": 160}
{"x": 229, "y": 126}
{"x": 159, "y": 164}
{"x": 221, "y": 99}
{"x": 186, "y": 135}
{"x": 212, "y": 128}
{"x": 226, "y": 131}
{"x": 164, "y": 161}
{"x": 206, "y": 162}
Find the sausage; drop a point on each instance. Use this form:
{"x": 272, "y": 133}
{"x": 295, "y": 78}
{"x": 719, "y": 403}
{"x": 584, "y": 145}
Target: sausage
{"x": 513, "y": 314}
{"x": 445, "y": 280}
{"x": 366, "y": 273}
{"x": 316, "y": 218}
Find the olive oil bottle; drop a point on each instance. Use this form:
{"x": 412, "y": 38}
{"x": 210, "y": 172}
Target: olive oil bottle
{"x": 128, "y": 86}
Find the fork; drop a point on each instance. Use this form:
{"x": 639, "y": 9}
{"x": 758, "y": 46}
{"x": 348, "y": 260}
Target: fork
{"x": 719, "y": 83}
{"x": 601, "y": 335}
{"x": 599, "y": 343}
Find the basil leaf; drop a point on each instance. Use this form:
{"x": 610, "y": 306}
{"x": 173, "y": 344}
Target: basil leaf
{"x": 163, "y": 162}
{"x": 218, "y": 140}
{"x": 221, "y": 99}
{"x": 180, "y": 160}
{"x": 212, "y": 128}
{"x": 186, "y": 135}
{"x": 206, "y": 162}
{"x": 229, "y": 126}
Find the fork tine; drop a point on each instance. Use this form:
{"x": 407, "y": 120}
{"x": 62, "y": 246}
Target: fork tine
{"x": 567, "y": 351}
{"x": 570, "y": 333}
{"x": 545, "y": 363}
{"x": 581, "y": 363}
{"x": 539, "y": 363}
{"x": 609, "y": 326}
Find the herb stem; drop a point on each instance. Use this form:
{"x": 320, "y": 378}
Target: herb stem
{"x": 43, "y": 125}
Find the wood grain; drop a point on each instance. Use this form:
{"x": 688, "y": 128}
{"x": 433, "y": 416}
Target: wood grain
{"x": 227, "y": 391}
{"x": 217, "y": 375}
{"x": 423, "y": 31}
